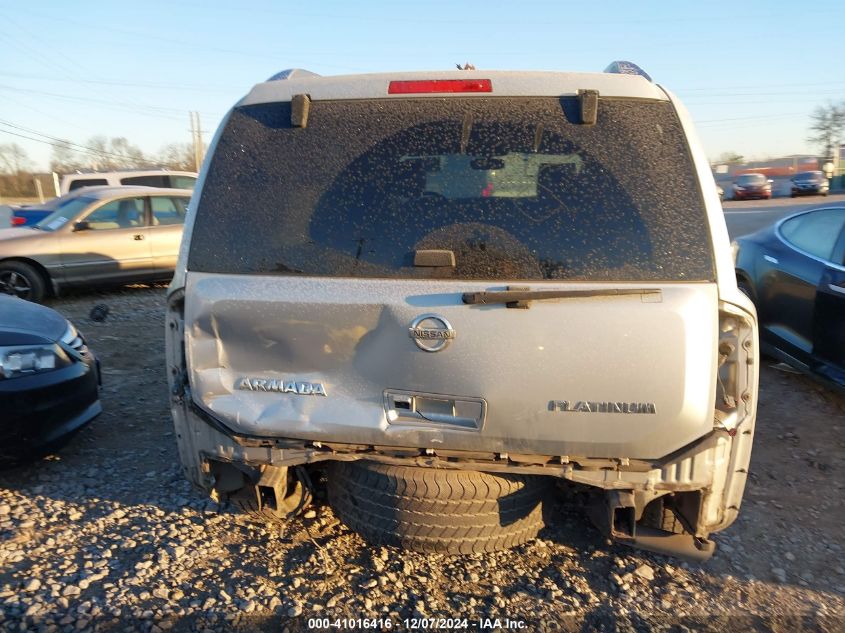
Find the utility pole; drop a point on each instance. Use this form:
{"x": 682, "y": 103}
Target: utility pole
{"x": 196, "y": 139}
{"x": 193, "y": 136}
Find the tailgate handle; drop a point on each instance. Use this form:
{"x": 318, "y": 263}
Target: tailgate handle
{"x": 435, "y": 410}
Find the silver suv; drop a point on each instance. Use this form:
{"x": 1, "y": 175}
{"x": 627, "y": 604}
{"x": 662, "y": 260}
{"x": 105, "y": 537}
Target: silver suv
{"x": 443, "y": 297}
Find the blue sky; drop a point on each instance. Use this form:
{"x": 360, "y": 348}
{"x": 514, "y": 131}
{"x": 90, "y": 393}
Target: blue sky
{"x": 749, "y": 72}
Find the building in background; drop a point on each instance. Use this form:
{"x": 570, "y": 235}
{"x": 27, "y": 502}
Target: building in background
{"x": 784, "y": 167}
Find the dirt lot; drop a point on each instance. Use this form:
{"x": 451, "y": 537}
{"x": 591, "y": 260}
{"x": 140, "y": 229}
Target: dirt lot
{"x": 106, "y": 535}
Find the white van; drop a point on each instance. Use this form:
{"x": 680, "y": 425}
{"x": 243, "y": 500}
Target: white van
{"x": 139, "y": 178}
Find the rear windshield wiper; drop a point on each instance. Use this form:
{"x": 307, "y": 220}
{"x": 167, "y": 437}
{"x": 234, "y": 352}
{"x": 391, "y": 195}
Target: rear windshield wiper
{"x": 521, "y": 298}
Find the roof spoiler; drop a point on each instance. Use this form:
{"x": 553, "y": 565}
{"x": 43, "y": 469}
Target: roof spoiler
{"x": 292, "y": 73}
{"x": 626, "y": 68}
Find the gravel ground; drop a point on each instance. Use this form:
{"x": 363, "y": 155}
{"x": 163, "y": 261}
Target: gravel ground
{"x": 107, "y": 535}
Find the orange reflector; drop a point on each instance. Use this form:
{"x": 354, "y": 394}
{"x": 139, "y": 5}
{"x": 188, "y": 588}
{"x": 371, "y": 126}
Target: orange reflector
{"x": 439, "y": 85}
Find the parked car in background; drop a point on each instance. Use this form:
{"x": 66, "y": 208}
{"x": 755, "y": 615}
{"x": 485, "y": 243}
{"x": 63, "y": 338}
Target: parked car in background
{"x": 49, "y": 380}
{"x": 139, "y": 178}
{"x": 809, "y": 183}
{"x": 29, "y": 214}
{"x": 794, "y": 271}
{"x": 104, "y": 235}
{"x": 26, "y": 216}
{"x": 6, "y": 212}
{"x": 750, "y": 186}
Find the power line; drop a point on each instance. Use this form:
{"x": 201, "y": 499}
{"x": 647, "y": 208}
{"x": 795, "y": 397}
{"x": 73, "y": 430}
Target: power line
{"x": 128, "y": 84}
{"x": 58, "y": 141}
{"x": 750, "y": 118}
{"x": 747, "y": 86}
{"x": 138, "y": 108}
{"x": 36, "y": 54}
{"x": 38, "y": 140}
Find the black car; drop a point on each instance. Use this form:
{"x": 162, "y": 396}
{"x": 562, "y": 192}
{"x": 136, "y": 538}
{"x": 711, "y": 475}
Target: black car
{"x": 49, "y": 380}
{"x": 794, "y": 272}
{"x": 809, "y": 183}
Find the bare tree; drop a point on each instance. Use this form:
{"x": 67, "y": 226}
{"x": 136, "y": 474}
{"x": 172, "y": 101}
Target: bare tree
{"x": 115, "y": 153}
{"x": 65, "y": 159}
{"x": 730, "y": 158}
{"x": 14, "y": 160}
{"x": 827, "y": 126}
{"x": 177, "y": 156}
{"x": 15, "y": 171}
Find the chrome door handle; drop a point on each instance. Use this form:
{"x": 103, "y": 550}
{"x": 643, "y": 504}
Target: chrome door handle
{"x": 836, "y": 288}
{"x": 138, "y": 237}
{"x": 771, "y": 259}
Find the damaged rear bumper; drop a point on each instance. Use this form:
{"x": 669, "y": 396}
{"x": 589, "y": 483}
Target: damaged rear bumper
{"x": 702, "y": 484}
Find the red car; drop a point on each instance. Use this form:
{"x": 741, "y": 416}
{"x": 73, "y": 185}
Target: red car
{"x": 750, "y": 186}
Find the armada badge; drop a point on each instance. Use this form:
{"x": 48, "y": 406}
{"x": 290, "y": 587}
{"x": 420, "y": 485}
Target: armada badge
{"x": 431, "y": 332}
{"x": 582, "y": 406}
{"x": 281, "y": 386}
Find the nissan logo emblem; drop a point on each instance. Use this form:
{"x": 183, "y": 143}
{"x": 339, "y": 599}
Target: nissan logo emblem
{"x": 431, "y": 332}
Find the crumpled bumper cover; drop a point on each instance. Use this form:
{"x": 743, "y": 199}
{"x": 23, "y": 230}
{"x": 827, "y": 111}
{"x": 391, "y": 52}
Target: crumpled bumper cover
{"x": 715, "y": 464}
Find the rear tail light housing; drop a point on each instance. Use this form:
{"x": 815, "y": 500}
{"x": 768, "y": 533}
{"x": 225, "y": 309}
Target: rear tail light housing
{"x": 737, "y": 375}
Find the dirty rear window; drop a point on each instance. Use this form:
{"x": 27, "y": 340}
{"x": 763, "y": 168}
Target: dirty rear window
{"x": 515, "y": 188}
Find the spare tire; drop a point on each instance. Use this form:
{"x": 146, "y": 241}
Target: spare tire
{"x": 437, "y": 510}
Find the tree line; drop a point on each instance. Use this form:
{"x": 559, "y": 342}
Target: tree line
{"x": 99, "y": 153}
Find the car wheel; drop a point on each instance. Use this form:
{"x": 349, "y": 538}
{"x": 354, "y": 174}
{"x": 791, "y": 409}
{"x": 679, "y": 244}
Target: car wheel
{"x": 745, "y": 288}
{"x": 437, "y": 510}
{"x": 21, "y": 280}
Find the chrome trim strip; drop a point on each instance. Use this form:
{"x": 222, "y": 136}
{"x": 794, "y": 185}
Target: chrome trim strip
{"x": 836, "y": 288}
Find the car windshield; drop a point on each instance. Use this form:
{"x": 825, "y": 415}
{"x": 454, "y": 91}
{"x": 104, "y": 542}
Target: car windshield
{"x": 809, "y": 175}
{"x": 65, "y": 212}
{"x": 751, "y": 179}
{"x": 515, "y": 188}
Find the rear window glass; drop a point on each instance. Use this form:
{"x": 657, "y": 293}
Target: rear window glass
{"x": 183, "y": 182}
{"x": 146, "y": 181}
{"x": 87, "y": 182}
{"x": 751, "y": 179}
{"x": 815, "y": 232}
{"x": 514, "y": 187}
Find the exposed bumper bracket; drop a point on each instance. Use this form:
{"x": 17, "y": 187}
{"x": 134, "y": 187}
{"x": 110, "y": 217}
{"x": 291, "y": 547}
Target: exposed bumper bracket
{"x": 616, "y": 513}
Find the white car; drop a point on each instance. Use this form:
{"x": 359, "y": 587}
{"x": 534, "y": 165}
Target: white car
{"x": 138, "y": 178}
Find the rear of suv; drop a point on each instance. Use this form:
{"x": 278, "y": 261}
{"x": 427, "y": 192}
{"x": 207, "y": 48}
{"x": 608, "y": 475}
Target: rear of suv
{"x": 445, "y": 297}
